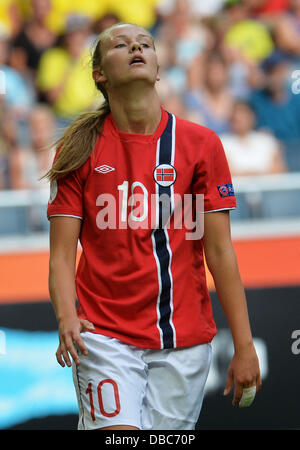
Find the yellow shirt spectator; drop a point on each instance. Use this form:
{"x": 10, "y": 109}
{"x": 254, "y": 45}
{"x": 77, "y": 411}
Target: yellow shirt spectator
{"x": 11, "y": 15}
{"x": 79, "y": 93}
{"x": 252, "y": 38}
{"x": 62, "y": 8}
{"x": 140, "y": 12}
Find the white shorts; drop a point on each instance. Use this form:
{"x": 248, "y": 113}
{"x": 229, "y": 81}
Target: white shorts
{"x": 120, "y": 384}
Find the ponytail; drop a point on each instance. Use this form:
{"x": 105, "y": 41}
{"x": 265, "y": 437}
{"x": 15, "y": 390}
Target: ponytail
{"x": 77, "y": 143}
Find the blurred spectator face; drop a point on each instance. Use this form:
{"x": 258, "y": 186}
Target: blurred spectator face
{"x": 173, "y": 103}
{"x": 236, "y": 12}
{"x": 75, "y": 41}
{"x": 105, "y": 22}
{"x": 277, "y": 77}
{"x": 243, "y": 119}
{"x": 4, "y": 40}
{"x": 295, "y": 4}
{"x": 41, "y": 124}
{"x": 40, "y": 8}
{"x": 3, "y": 51}
{"x": 181, "y": 16}
{"x": 18, "y": 59}
{"x": 255, "y": 4}
{"x": 216, "y": 74}
{"x": 77, "y": 30}
{"x": 8, "y": 127}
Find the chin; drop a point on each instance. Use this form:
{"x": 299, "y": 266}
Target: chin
{"x": 142, "y": 76}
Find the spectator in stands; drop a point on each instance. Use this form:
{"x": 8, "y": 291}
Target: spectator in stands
{"x": 199, "y": 9}
{"x": 64, "y": 73}
{"x": 35, "y": 37}
{"x": 62, "y": 9}
{"x": 245, "y": 35}
{"x": 29, "y": 164}
{"x": 20, "y": 93}
{"x": 141, "y": 12}
{"x": 4, "y": 147}
{"x": 278, "y": 109}
{"x": 11, "y": 15}
{"x": 184, "y": 41}
{"x": 173, "y": 102}
{"x": 213, "y": 101}
{"x": 9, "y": 141}
{"x": 287, "y": 31}
{"x": 250, "y": 151}
{"x": 104, "y": 22}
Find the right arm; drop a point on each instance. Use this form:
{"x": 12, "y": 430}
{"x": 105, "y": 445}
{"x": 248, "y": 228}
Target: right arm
{"x": 64, "y": 234}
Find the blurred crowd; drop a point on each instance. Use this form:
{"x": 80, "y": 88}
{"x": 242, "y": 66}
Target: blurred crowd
{"x": 230, "y": 65}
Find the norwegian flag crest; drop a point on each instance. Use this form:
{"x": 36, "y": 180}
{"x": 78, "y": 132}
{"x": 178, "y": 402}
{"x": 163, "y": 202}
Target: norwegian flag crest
{"x": 164, "y": 174}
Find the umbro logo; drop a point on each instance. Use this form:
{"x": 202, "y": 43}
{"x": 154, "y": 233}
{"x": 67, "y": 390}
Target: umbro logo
{"x": 104, "y": 169}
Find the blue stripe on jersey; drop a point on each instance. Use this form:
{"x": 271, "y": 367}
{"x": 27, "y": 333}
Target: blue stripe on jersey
{"x": 161, "y": 246}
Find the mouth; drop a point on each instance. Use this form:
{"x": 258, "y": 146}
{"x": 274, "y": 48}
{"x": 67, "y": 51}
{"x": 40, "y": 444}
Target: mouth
{"x": 137, "y": 60}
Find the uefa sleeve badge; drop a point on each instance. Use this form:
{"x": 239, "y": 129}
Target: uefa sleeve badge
{"x": 226, "y": 190}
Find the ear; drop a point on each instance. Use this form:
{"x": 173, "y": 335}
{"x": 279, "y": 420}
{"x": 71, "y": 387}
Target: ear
{"x": 99, "y": 76}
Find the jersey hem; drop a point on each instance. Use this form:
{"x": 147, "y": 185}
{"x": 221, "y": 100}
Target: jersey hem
{"x": 145, "y": 344}
{"x": 220, "y": 209}
{"x": 64, "y": 215}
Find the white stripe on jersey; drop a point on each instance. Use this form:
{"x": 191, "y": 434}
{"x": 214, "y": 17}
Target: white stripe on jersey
{"x": 167, "y": 243}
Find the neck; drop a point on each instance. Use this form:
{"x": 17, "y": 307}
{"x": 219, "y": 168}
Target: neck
{"x": 136, "y": 111}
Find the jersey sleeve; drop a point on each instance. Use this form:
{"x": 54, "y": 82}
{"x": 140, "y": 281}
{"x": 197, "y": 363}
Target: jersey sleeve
{"x": 66, "y": 194}
{"x": 212, "y": 177}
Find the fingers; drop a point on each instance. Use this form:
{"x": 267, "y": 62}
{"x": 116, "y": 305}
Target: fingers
{"x": 65, "y": 350}
{"x": 69, "y": 347}
{"x": 71, "y": 342}
{"x": 59, "y": 357}
{"x": 238, "y": 392}
{"x": 248, "y": 396}
{"x": 244, "y": 393}
{"x": 85, "y": 325}
{"x": 229, "y": 382}
{"x": 244, "y": 374}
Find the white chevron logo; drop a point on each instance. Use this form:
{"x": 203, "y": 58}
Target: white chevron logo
{"x": 104, "y": 169}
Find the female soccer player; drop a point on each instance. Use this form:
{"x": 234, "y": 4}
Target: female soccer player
{"x": 140, "y": 336}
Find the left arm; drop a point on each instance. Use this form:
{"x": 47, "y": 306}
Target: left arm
{"x": 221, "y": 261}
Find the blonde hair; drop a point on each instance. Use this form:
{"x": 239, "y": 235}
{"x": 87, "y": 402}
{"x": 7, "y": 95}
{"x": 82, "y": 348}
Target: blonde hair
{"x": 79, "y": 139}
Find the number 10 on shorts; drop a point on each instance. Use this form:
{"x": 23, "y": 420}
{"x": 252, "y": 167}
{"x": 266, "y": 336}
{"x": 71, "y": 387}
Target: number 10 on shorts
{"x": 114, "y": 391}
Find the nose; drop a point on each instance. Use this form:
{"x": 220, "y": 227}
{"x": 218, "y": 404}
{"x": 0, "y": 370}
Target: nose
{"x": 136, "y": 46}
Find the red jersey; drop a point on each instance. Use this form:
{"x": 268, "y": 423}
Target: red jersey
{"x": 140, "y": 278}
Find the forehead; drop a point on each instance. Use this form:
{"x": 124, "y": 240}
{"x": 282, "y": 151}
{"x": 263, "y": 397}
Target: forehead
{"x": 126, "y": 31}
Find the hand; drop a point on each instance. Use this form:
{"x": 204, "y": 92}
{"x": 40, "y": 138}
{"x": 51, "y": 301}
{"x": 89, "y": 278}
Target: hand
{"x": 69, "y": 335}
{"x": 243, "y": 372}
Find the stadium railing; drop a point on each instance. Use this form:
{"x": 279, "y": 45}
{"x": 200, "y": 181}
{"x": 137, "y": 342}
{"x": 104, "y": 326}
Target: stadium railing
{"x": 266, "y": 204}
